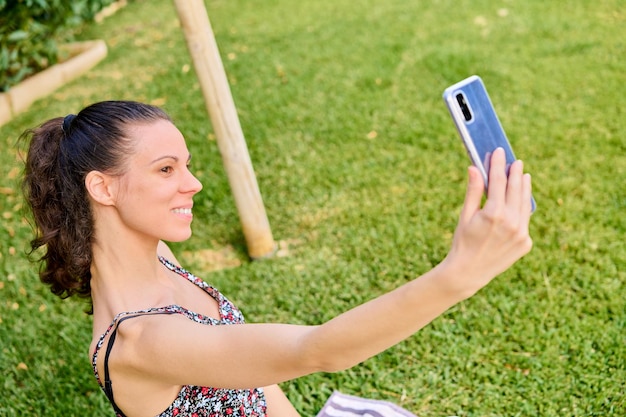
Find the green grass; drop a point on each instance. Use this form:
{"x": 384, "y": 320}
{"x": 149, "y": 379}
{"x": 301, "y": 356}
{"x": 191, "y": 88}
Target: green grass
{"x": 362, "y": 215}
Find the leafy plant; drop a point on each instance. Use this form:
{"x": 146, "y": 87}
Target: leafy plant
{"x": 30, "y": 31}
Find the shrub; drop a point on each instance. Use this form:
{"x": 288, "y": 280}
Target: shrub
{"x": 30, "y": 31}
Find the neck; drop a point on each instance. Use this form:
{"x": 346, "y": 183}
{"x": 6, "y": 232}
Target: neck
{"x": 125, "y": 272}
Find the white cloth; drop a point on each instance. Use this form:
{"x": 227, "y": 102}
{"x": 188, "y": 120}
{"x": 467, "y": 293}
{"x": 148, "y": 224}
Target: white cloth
{"x": 343, "y": 405}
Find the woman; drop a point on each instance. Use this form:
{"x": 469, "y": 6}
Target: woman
{"x": 107, "y": 186}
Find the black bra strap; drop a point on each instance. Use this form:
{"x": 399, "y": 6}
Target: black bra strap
{"x": 108, "y": 386}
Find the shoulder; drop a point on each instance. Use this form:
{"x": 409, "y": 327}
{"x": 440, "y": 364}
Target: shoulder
{"x": 178, "y": 345}
{"x": 165, "y": 251}
{"x": 141, "y": 329}
{"x": 144, "y": 340}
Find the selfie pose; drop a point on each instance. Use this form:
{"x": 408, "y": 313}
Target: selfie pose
{"x": 108, "y": 186}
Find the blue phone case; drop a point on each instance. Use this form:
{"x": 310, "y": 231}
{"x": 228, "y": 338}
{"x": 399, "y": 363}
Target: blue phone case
{"x": 477, "y": 123}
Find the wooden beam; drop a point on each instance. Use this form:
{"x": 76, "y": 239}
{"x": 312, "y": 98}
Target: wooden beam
{"x": 230, "y": 139}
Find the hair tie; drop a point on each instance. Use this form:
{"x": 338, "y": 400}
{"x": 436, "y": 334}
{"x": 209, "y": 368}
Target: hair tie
{"x": 67, "y": 123}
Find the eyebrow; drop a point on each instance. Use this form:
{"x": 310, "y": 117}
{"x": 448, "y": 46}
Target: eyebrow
{"x": 174, "y": 157}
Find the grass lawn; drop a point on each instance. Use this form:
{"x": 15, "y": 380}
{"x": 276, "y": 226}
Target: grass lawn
{"x": 363, "y": 176}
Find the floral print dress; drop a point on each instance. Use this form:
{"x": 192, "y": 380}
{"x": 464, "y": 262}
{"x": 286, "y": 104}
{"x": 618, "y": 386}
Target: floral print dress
{"x": 193, "y": 401}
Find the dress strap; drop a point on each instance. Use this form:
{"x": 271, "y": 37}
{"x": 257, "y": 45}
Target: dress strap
{"x": 108, "y": 385}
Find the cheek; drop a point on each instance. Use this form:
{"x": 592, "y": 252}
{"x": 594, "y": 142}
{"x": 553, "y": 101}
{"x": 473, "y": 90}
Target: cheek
{"x": 142, "y": 209}
{"x": 138, "y": 190}
{"x": 144, "y": 194}
{"x": 145, "y": 205}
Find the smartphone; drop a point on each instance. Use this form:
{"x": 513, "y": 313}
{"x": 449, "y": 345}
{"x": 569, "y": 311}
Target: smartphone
{"x": 478, "y": 124}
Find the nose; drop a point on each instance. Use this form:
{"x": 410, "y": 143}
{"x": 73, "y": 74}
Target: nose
{"x": 191, "y": 184}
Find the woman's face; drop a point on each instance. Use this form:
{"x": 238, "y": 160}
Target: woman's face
{"x": 155, "y": 192}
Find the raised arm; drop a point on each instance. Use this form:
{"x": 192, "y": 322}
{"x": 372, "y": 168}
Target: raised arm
{"x": 487, "y": 241}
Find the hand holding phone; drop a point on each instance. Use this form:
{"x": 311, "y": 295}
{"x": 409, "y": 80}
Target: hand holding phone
{"x": 478, "y": 124}
{"x": 492, "y": 235}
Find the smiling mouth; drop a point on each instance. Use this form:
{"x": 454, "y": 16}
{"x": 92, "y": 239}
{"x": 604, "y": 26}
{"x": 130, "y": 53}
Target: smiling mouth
{"x": 182, "y": 211}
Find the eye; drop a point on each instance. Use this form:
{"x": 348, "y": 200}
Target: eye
{"x": 167, "y": 169}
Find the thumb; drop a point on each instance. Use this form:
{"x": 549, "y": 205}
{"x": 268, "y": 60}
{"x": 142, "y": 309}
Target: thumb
{"x": 474, "y": 194}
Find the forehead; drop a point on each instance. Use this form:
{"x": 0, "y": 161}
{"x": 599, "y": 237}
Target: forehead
{"x": 157, "y": 139}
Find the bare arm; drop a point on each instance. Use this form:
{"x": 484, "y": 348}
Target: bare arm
{"x": 278, "y": 405}
{"x": 487, "y": 241}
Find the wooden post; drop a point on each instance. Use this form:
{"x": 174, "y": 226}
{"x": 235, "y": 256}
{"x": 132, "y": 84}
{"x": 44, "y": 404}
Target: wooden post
{"x": 230, "y": 139}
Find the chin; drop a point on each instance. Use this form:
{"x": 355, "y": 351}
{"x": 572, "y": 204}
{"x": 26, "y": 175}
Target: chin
{"x": 176, "y": 237}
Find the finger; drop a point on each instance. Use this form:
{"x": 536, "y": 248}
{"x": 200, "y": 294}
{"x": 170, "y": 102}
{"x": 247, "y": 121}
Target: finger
{"x": 474, "y": 194}
{"x": 497, "y": 178}
{"x": 514, "y": 187}
{"x": 526, "y": 210}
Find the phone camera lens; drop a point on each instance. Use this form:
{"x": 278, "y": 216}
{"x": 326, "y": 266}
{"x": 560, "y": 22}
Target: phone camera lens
{"x": 460, "y": 98}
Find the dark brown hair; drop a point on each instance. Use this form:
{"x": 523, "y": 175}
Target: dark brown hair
{"x": 61, "y": 152}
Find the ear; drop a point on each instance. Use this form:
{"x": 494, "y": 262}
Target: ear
{"x": 101, "y": 188}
